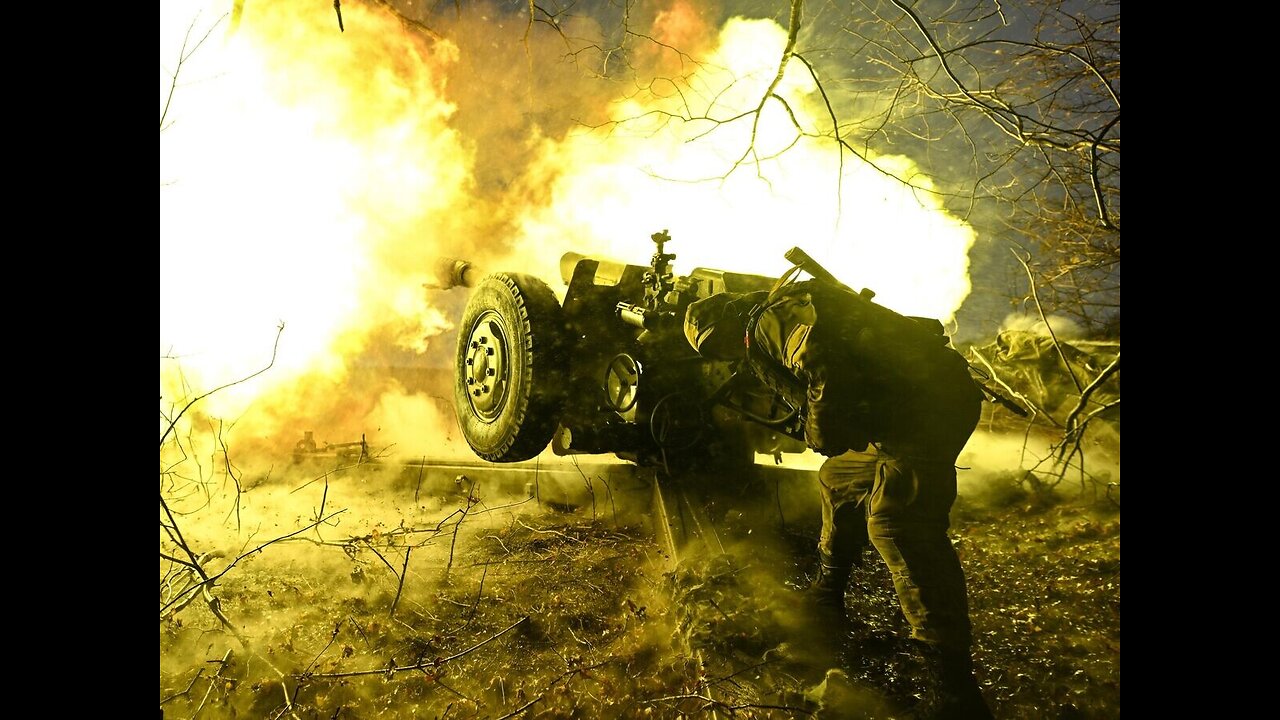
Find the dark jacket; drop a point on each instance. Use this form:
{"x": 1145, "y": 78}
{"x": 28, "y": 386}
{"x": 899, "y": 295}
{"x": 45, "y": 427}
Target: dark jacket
{"x": 866, "y": 372}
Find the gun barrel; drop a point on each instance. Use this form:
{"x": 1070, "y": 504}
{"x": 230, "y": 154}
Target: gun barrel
{"x": 797, "y": 256}
{"x": 462, "y": 272}
{"x": 446, "y": 273}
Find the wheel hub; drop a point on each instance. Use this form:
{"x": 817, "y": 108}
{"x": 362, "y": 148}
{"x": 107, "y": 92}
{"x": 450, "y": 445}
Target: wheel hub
{"x": 487, "y": 366}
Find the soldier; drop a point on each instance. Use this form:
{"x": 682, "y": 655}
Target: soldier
{"x": 891, "y": 406}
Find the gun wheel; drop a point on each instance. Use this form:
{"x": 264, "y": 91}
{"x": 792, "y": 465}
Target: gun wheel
{"x": 510, "y": 370}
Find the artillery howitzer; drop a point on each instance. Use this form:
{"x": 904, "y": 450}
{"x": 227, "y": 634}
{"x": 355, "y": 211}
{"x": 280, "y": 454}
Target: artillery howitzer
{"x": 609, "y": 370}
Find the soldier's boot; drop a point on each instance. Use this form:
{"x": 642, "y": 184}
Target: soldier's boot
{"x": 953, "y": 692}
{"x": 822, "y": 628}
{"x": 827, "y": 589}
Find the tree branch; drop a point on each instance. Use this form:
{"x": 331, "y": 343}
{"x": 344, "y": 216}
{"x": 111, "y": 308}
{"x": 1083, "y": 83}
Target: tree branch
{"x": 183, "y": 56}
{"x": 404, "y": 571}
{"x": 1107, "y": 372}
{"x": 1052, "y": 335}
{"x": 274, "y": 350}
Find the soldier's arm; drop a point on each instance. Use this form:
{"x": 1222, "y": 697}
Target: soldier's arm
{"x": 834, "y": 421}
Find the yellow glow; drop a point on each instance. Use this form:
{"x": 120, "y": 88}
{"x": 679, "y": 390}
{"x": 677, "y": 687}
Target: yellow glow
{"x": 301, "y": 176}
{"x": 311, "y": 177}
{"x": 615, "y": 186}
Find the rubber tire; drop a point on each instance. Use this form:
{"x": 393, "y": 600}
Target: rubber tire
{"x": 537, "y": 368}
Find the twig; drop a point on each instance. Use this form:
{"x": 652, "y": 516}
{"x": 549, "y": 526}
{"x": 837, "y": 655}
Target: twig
{"x": 189, "y": 598}
{"x": 1052, "y": 335}
{"x": 332, "y": 637}
{"x": 1098, "y": 197}
{"x": 835, "y": 133}
{"x": 226, "y": 459}
{"x": 204, "y": 699}
{"x": 404, "y": 571}
{"x": 591, "y": 489}
{"x": 735, "y": 673}
{"x": 1026, "y": 438}
{"x": 408, "y": 21}
{"x": 274, "y": 349}
{"x": 188, "y": 690}
{"x": 550, "y": 532}
{"x": 495, "y": 508}
{"x": 178, "y": 560}
{"x": 288, "y": 701}
{"x": 458, "y": 525}
{"x": 213, "y": 602}
{"x": 575, "y": 637}
{"x": 793, "y": 32}
{"x": 215, "y": 606}
{"x": 324, "y": 498}
{"x": 212, "y": 579}
{"x": 430, "y": 663}
{"x": 359, "y": 629}
{"x": 419, "y": 485}
{"x": 183, "y": 56}
{"x": 716, "y": 605}
{"x": 608, "y": 489}
{"x": 479, "y": 594}
{"x": 1107, "y": 372}
{"x": 383, "y": 558}
{"x": 1036, "y": 410}
{"x": 505, "y": 549}
{"x": 468, "y": 698}
{"x": 1076, "y": 434}
{"x": 522, "y": 708}
{"x": 381, "y": 453}
{"x": 222, "y": 665}
{"x": 731, "y": 708}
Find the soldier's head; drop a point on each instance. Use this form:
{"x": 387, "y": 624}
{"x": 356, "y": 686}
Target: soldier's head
{"x": 715, "y": 326}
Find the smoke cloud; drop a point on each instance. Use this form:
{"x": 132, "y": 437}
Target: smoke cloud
{"x": 316, "y": 177}
{"x": 1064, "y": 327}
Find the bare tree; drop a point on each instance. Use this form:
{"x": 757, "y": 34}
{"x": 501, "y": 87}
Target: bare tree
{"x": 1015, "y": 112}
{"x": 1012, "y": 112}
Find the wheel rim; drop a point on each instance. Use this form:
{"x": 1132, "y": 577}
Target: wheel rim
{"x": 488, "y": 370}
{"x": 621, "y": 382}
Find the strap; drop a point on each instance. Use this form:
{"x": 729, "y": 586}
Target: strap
{"x": 787, "y": 278}
{"x": 754, "y": 314}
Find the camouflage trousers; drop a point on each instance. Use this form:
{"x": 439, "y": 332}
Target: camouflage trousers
{"x": 900, "y": 503}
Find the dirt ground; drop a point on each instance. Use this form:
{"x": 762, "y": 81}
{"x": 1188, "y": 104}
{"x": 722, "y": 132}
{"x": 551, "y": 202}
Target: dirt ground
{"x": 512, "y": 606}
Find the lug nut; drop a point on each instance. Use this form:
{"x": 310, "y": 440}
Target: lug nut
{"x": 474, "y": 344}
{"x": 484, "y": 388}
{"x": 490, "y": 372}
{"x": 488, "y": 351}
{"x": 483, "y": 339}
{"x": 471, "y": 361}
{"x": 471, "y": 381}
{"x": 476, "y": 392}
